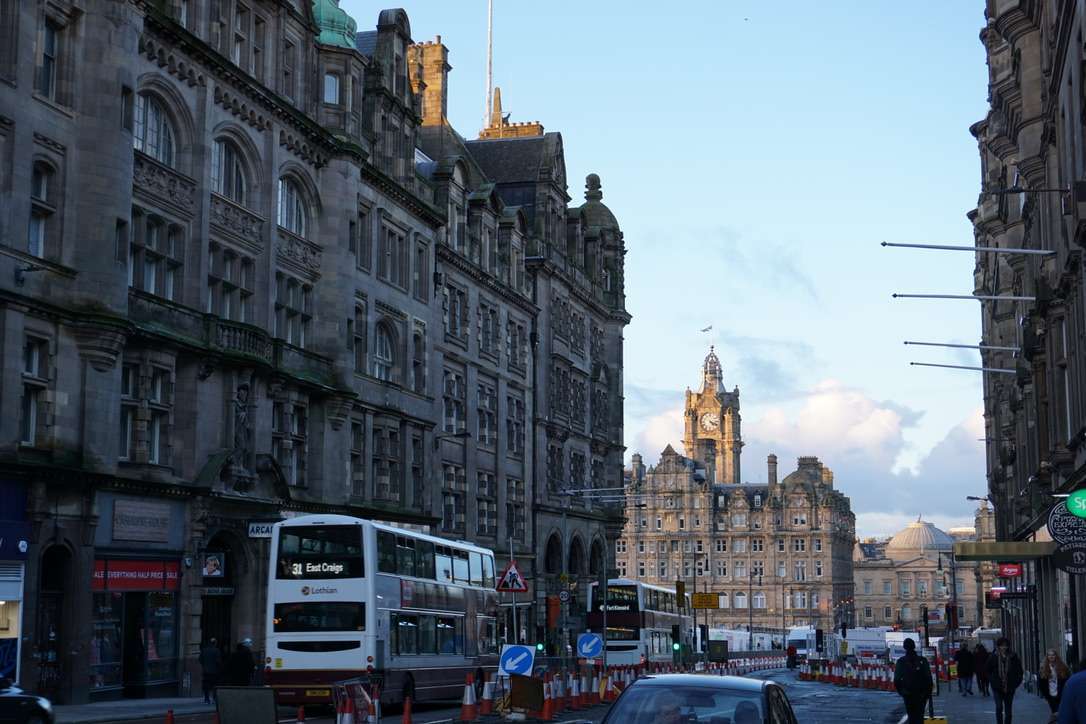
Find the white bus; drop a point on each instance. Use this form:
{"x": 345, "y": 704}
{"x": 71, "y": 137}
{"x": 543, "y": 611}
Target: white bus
{"x": 349, "y": 597}
{"x": 640, "y": 621}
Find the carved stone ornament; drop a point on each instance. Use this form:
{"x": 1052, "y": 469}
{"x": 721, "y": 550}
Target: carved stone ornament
{"x": 300, "y": 252}
{"x": 99, "y": 343}
{"x": 156, "y": 180}
{"x": 236, "y": 220}
{"x": 339, "y": 409}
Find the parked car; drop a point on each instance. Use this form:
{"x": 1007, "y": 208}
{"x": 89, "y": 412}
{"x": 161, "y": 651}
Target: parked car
{"x": 19, "y": 707}
{"x": 699, "y": 699}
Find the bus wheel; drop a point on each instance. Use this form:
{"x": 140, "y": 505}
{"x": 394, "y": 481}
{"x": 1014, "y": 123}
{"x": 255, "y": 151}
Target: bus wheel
{"x": 409, "y": 687}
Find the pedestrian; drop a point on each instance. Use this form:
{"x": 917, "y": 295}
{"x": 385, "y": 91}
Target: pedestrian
{"x": 966, "y": 664}
{"x": 980, "y": 665}
{"x": 1053, "y": 675}
{"x": 912, "y": 679}
{"x": 791, "y": 656}
{"x": 211, "y": 663}
{"x": 239, "y": 667}
{"x": 1005, "y": 675}
{"x": 1073, "y": 703}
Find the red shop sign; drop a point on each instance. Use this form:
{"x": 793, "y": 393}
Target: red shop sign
{"x": 1010, "y": 570}
{"x": 121, "y": 575}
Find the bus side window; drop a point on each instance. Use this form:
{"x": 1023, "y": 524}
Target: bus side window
{"x": 488, "y": 571}
{"x": 386, "y": 552}
{"x": 460, "y": 566}
{"x": 476, "y": 568}
{"x": 427, "y": 637}
{"x": 450, "y": 638}
{"x": 424, "y": 559}
{"x": 405, "y": 556}
{"x": 444, "y": 564}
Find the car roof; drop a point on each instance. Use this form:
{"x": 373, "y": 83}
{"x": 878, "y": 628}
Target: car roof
{"x": 739, "y": 683}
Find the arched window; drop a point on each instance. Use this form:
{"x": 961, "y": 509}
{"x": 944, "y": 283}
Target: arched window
{"x": 227, "y": 171}
{"x": 724, "y": 600}
{"x": 42, "y": 209}
{"x": 740, "y": 600}
{"x": 153, "y": 133}
{"x": 383, "y": 358}
{"x": 292, "y": 211}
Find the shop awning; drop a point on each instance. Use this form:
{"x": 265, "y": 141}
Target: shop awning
{"x": 1011, "y": 551}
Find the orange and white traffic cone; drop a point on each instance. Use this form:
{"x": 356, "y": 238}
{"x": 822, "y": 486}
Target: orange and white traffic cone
{"x": 301, "y": 715}
{"x": 469, "y": 709}
{"x": 371, "y": 713}
{"x": 169, "y": 716}
{"x": 586, "y": 690}
{"x": 595, "y": 691}
{"x": 574, "y": 692}
{"x": 406, "y": 719}
{"x": 486, "y": 706}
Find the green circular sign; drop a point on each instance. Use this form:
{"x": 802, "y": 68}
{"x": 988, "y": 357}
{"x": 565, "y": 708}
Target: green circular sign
{"x": 1076, "y": 503}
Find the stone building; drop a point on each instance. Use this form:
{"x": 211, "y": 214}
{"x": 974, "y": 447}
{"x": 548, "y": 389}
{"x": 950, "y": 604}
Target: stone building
{"x": 234, "y": 289}
{"x": 896, "y": 577}
{"x": 778, "y": 554}
{"x": 1031, "y": 139}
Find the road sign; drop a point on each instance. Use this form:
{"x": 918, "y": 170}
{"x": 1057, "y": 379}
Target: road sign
{"x": 563, "y": 596}
{"x": 1076, "y": 503}
{"x": 516, "y": 659}
{"x": 705, "y": 600}
{"x": 511, "y": 581}
{"x": 1064, "y": 526}
{"x": 589, "y": 645}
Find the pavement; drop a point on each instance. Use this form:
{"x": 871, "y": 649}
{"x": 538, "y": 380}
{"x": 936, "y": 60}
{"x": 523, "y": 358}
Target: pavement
{"x": 1028, "y": 707}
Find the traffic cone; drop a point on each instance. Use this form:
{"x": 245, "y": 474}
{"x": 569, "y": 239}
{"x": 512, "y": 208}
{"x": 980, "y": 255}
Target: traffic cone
{"x": 469, "y": 710}
{"x": 586, "y": 690}
{"x": 301, "y": 715}
{"x": 486, "y": 706}
{"x": 371, "y": 713}
{"x": 169, "y": 716}
{"x": 574, "y": 692}
{"x": 612, "y": 694}
{"x": 406, "y": 711}
{"x": 548, "y": 698}
{"x": 595, "y": 691}
{"x": 347, "y": 717}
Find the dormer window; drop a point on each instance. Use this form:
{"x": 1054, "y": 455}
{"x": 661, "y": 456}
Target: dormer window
{"x": 331, "y": 88}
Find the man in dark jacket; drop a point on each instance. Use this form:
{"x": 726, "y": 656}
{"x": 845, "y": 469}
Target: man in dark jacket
{"x": 912, "y": 679}
{"x": 1004, "y": 676}
{"x": 964, "y": 659}
{"x": 211, "y": 663}
{"x": 239, "y": 667}
{"x": 1073, "y": 703}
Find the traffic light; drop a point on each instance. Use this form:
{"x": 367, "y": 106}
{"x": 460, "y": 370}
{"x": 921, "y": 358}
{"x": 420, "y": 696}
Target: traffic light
{"x": 844, "y": 629}
{"x": 539, "y": 646}
{"x": 680, "y": 593}
{"x": 820, "y": 640}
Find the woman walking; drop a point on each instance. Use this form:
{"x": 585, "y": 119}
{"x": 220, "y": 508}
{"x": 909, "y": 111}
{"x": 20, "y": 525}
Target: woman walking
{"x": 980, "y": 663}
{"x": 1053, "y": 674}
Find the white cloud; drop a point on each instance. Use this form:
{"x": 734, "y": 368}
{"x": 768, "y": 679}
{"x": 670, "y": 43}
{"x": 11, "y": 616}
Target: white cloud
{"x": 860, "y": 439}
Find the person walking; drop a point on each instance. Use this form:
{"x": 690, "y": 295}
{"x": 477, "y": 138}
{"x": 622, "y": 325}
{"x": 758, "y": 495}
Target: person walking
{"x": 912, "y": 679}
{"x": 211, "y": 664}
{"x": 1053, "y": 675}
{"x": 980, "y": 665}
{"x": 1005, "y": 675}
{"x": 239, "y": 667}
{"x": 1073, "y": 702}
{"x": 966, "y": 663}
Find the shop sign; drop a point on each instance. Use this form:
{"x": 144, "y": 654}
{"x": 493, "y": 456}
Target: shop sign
{"x": 14, "y": 540}
{"x": 1064, "y": 526}
{"x": 218, "y": 590}
{"x": 260, "y": 528}
{"x": 140, "y": 520}
{"x": 1076, "y": 503}
{"x": 1071, "y": 558}
{"x": 122, "y": 575}
{"x": 1010, "y": 570}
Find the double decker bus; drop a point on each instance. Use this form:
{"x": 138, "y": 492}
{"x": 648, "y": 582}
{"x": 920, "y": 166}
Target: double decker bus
{"x": 349, "y": 597}
{"x": 640, "y": 620}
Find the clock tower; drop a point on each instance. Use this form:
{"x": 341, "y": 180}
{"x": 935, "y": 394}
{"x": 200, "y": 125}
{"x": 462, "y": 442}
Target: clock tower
{"x": 712, "y": 424}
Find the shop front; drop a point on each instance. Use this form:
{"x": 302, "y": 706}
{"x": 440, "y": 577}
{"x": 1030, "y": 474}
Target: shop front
{"x": 135, "y": 630}
{"x": 14, "y": 546}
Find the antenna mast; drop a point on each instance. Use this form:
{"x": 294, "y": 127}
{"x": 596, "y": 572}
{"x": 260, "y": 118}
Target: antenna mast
{"x": 489, "y": 63}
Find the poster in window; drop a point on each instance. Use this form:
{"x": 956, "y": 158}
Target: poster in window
{"x": 214, "y": 565}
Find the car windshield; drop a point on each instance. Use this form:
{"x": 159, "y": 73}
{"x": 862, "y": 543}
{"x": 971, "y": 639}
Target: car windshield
{"x": 682, "y": 704}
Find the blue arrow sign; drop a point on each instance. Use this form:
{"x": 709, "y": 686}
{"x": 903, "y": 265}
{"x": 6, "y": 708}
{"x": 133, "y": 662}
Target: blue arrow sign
{"x": 516, "y": 659}
{"x": 589, "y": 645}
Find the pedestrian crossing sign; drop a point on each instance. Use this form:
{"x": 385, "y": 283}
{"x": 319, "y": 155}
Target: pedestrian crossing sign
{"x": 511, "y": 581}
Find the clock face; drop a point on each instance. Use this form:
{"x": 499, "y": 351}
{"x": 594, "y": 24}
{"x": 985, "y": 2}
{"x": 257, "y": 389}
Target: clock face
{"x": 710, "y": 421}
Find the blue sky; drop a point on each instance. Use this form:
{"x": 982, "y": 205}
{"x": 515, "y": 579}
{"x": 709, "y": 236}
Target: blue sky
{"x": 755, "y": 155}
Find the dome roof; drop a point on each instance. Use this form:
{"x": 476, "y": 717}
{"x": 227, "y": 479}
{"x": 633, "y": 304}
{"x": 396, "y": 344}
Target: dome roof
{"x": 594, "y": 212}
{"x": 919, "y": 537}
{"x": 337, "y": 27}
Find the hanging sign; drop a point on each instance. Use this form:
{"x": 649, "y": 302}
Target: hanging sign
{"x": 1071, "y": 558}
{"x": 1010, "y": 570}
{"x": 1065, "y": 526}
{"x": 1076, "y": 503}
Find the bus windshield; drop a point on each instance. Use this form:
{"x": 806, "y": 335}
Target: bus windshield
{"x": 320, "y": 551}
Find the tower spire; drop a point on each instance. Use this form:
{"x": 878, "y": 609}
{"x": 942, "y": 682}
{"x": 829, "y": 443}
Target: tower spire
{"x": 488, "y": 113}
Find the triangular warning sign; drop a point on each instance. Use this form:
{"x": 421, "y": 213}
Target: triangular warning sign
{"x": 511, "y": 581}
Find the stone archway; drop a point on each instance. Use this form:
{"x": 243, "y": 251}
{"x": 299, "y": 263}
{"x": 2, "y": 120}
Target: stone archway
{"x": 596, "y": 559}
{"x": 229, "y": 591}
{"x": 54, "y": 603}
{"x": 552, "y": 558}
{"x": 576, "y": 564}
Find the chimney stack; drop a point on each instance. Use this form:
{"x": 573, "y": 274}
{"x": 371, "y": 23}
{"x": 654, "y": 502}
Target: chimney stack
{"x": 771, "y": 462}
{"x": 433, "y": 59}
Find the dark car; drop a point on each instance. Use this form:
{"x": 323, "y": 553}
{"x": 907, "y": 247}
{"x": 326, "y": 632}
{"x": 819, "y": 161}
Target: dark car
{"x": 706, "y": 699}
{"x": 19, "y": 707}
